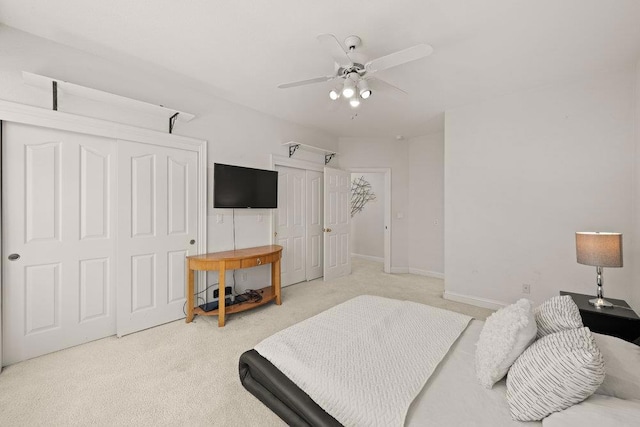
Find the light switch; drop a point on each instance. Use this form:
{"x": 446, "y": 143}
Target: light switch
{"x": 400, "y": 215}
{"x": 219, "y": 218}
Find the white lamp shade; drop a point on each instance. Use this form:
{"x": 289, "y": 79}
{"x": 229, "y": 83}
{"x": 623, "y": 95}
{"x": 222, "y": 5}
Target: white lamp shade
{"x": 364, "y": 90}
{"x": 599, "y": 249}
{"x": 349, "y": 88}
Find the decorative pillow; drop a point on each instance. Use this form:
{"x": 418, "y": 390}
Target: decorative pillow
{"x": 601, "y": 411}
{"x": 622, "y": 360}
{"x": 505, "y": 335}
{"x": 555, "y": 372}
{"x": 557, "y": 314}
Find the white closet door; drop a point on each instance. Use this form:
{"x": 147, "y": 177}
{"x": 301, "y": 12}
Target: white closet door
{"x": 59, "y": 206}
{"x": 157, "y": 228}
{"x": 337, "y": 215}
{"x": 314, "y": 211}
{"x": 290, "y": 224}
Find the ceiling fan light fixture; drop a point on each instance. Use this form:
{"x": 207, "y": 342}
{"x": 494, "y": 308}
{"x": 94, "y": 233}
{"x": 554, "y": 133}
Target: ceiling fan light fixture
{"x": 334, "y": 94}
{"x": 363, "y": 89}
{"x": 354, "y": 102}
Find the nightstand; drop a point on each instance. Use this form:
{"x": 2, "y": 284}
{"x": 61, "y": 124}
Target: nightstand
{"x": 618, "y": 322}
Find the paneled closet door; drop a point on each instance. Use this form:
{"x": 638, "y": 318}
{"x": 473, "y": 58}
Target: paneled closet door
{"x": 314, "y": 212}
{"x": 337, "y": 220}
{"x": 290, "y": 224}
{"x": 157, "y": 229}
{"x": 58, "y": 243}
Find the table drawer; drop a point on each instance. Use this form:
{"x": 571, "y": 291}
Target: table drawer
{"x": 259, "y": 260}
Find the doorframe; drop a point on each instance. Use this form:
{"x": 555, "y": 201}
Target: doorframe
{"x": 387, "y": 210}
{"x": 41, "y": 117}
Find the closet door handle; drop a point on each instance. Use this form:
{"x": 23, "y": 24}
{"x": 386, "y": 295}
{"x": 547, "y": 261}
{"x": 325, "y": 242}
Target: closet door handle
{"x": 14, "y": 257}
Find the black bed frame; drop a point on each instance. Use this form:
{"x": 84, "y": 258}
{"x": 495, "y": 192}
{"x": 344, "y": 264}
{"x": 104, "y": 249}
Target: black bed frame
{"x": 280, "y": 394}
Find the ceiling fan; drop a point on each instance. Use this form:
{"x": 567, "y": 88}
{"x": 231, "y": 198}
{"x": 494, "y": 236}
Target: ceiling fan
{"x": 354, "y": 77}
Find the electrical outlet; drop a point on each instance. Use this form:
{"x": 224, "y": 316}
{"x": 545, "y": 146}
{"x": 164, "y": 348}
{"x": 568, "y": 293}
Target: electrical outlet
{"x": 526, "y": 288}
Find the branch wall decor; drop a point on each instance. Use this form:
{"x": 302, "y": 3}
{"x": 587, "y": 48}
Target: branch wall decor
{"x": 361, "y": 193}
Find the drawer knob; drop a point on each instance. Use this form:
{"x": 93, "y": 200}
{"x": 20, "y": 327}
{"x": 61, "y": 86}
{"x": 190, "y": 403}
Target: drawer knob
{"x": 259, "y": 261}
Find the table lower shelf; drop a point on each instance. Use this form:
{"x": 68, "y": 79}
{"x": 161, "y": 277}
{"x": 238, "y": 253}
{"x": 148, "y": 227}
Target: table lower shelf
{"x": 267, "y": 297}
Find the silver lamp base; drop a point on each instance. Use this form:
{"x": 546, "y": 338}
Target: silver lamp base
{"x": 600, "y": 303}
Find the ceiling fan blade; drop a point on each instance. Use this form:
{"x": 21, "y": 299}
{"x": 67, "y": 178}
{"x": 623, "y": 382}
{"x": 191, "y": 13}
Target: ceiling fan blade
{"x": 378, "y": 83}
{"x": 398, "y": 58}
{"x": 335, "y": 49}
{"x": 306, "y": 82}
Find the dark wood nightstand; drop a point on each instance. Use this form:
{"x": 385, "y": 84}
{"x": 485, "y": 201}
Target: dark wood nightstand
{"x": 618, "y": 322}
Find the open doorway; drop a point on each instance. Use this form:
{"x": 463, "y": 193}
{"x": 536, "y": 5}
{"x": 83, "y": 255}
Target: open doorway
{"x": 371, "y": 220}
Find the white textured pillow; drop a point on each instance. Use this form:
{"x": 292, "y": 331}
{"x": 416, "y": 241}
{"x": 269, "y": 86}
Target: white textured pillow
{"x": 557, "y": 314}
{"x": 505, "y": 335}
{"x": 600, "y": 411}
{"x": 555, "y": 372}
{"x": 622, "y": 360}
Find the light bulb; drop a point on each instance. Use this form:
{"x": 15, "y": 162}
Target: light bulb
{"x": 364, "y": 90}
{"x": 349, "y": 88}
{"x": 354, "y": 102}
{"x": 334, "y": 94}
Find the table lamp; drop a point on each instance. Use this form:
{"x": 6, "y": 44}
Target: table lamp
{"x": 600, "y": 250}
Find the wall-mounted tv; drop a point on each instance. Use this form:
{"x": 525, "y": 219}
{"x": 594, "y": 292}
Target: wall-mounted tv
{"x": 240, "y": 187}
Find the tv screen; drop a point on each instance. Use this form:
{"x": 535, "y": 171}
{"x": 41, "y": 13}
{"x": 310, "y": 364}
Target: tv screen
{"x": 240, "y": 187}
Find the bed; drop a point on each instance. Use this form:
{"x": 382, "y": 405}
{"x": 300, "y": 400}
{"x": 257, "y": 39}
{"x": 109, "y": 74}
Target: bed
{"x": 450, "y": 395}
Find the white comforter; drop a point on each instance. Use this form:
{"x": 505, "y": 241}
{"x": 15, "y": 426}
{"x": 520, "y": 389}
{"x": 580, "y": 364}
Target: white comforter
{"x": 365, "y": 360}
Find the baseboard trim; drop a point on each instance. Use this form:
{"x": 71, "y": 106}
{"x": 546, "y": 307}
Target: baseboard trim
{"x": 427, "y": 273}
{"x": 477, "y": 301}
{"x": 399, "y": 270}
{"x": 368, "y": 257}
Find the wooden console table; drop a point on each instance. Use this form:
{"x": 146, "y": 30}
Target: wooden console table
{"x": 233, "y": 260}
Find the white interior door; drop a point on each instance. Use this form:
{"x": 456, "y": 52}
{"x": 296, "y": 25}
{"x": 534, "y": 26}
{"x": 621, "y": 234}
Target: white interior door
{"x": 337, "y": 215}
{"x": 157, "y": 229}
{"x": 314, "y": 238}
{"x": 59, "y": 226}
{"x": 290, "y": 224}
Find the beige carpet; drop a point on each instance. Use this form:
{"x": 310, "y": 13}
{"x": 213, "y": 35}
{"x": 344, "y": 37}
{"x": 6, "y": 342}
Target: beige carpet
{"x": 179, "y": 374}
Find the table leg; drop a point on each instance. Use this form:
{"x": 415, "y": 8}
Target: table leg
{"x": 275, "y": 280}
{"x": 190, "y": 277}
{"x": 221, "y": 294}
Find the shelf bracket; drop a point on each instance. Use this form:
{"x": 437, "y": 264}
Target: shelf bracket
{"x": 293, "y": 148}
{"x": 328, "y": 157}
{"x": 55, "y": 95}
{"x": 172, "y": 121}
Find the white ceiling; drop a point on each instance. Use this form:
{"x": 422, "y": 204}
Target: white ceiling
{"x": 244, "y": 48}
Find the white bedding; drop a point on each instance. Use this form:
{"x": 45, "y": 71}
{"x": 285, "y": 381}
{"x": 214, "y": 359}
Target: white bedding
{"x": 453, "y": 396}
{"x": 365, "y": 360}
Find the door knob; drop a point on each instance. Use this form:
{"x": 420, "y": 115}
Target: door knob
{"x": 14, "y": 257}
{"x": 192, "y": 242}
{"x": 327, "y": 230}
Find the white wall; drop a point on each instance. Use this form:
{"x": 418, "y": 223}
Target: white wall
{"x": 235, "y": 134}
{"x": 426, "y": 205}
{"x": 635, "y": 282}
{"x": 523, "y": 173}
{"x": 385, "y": 153}
{"x": 367, "y": 226}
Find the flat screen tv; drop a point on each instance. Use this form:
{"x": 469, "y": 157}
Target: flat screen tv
{"x": 240, "y": 187}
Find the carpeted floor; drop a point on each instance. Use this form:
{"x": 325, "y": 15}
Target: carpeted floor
{"x": 179, "y": 374}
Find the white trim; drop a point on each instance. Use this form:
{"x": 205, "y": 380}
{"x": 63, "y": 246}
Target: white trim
{"x": 27, "y": 114}
{"x": 471, "y": 300}
{"x": 387, "y": 212}
{"x": 399, "y": 270}
{"x": 427, "y": 273}
{"x": 368, "y": 257}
